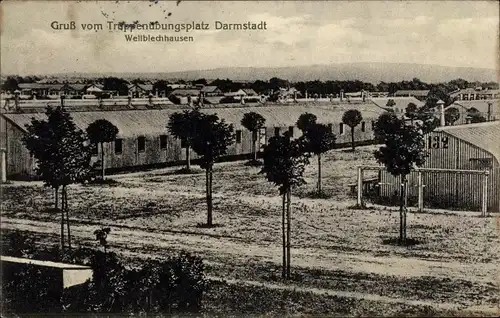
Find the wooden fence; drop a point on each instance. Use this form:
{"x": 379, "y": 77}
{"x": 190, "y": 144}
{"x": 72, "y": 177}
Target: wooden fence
{"x": 433, "y": 187}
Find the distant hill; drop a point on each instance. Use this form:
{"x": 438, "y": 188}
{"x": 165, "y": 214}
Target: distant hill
{"x": 367, "y": 72}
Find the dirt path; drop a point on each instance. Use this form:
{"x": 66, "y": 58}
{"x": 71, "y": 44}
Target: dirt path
{"x": 217, "y": 248}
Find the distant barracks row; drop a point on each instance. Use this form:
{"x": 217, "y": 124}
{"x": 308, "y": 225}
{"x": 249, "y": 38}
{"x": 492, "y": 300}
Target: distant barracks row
{"x": 143, "y": 139}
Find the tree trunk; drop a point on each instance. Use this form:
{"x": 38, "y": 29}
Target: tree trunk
{"x": 283, "y": 272}
{"x": 65, "y": 190}
{"x": 206, "y": 189}
{"x": 319, "y": 173}
{"x": 102, "y": 161}
{"x": 288, "y": 219}
{"x": 56, "y": 194}
{"x": 401, "y": 210}
{"x": 405, "y": 206}
{"x": 254, "y": 145}
{"x": 352, "y": 139}
{"x": 208, "y": 179}
{"x": 188, "y": 158}
{"x": 210, "y": 192}
{"x": 62, "y": 218}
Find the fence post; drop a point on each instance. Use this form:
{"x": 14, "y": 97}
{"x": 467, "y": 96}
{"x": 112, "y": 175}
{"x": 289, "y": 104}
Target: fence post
{"x": 420, "y": 192}
{"x": 360, "y": 186}
{"x": 485, "y": 194}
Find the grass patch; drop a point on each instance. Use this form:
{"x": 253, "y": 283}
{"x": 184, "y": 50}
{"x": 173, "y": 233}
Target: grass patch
{"x": 358, "y": 207}
{"x": 318, "y": 195}
{"x": 187, "y": 171}
{"x": 206, "y": 226}
{"x": 253, "y": 163}
{"x": 395, "y": 241}
{"x": 103, "y": 182}
{"x": 231, "y": 299}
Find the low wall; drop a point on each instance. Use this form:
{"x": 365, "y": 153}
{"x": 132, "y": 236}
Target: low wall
{"x": 64, "y": 275}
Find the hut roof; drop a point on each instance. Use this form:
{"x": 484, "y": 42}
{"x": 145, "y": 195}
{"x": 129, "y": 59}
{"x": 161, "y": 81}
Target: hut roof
{"x": 480, "y": 105}
{"x": 154, "y": 121}
{"x": 213, "y": 99}
{"x": 250, "y": 92}
{"x": 186, "y": 92}
{"x": 401, "y": 102}
{"x": 40, "y": 86}
{"x": 209, "y": 89}
{"x": 413, "y": 92}
{"x": 482, "y": 135}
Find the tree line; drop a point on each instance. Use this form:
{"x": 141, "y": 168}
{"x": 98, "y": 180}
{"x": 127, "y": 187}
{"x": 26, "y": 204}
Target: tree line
{"x": 438, "y": 90}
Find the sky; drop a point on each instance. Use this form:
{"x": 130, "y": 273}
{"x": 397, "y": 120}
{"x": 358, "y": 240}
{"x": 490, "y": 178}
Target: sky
{"x": 448, "y": 33}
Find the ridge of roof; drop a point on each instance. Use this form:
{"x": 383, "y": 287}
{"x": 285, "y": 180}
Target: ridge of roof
{"x": 482, "y": 135}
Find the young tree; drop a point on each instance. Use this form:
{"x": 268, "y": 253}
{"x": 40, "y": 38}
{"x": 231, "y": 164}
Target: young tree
{"x": 305, "y": 121}
{"x": 101, "y": 236}
{"x": 475, "y": 116}
{"x": 99, "y": 132}
{"x": 451, "y": 115}
{"x": 352, "y": 118}
{"x": 162, "y": 86}
{"x": 213, "y": 137}
{"x": 411, "y": 112}
{"x": 284, "y": 165}
{"x": 390, "y": 103}
{"x": 404, "y": 148}
{"x": 11, "y": 83}
{"x": 253, "y": 122}
{"x": 182, "y": 125}
{"x": 115, "y": 84}
{"x": 318, "y": 139}
{"x": 62, "y": 155}
{"x": 427, "y": 117}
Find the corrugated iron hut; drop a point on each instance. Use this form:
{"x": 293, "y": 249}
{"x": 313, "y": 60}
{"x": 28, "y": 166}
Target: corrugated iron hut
{"x": 488, "y": 109}
{"x": 143, "y": 139}
{"x": 463, "y": 147}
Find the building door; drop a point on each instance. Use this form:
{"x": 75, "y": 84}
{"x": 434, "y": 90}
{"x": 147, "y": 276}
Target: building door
{"x": 262, "y": 138}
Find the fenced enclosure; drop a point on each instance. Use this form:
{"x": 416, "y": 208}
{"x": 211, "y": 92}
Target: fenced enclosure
{"x": 471, "y": 190}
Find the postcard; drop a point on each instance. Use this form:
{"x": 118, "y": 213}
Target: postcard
{"x": 250, "y": 158}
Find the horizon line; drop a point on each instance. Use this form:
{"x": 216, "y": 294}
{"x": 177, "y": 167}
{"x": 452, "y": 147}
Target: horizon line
{"x": 250, "y": 67}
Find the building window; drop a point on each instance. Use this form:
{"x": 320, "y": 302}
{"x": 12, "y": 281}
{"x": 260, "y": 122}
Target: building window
{"x": 141, "y": 144}
{"x": 238, "y": 136}
{"x": 290, "y": 131}
{"x": 481, "y": 163}
{"x": 183, "y": 144}
{"x": 276, "y": 131}
{"x": 94, "y": 149}
{"x": 163, "y": 141}
{"x": 118, "y": 146}
{"x": 363, "y": 128}
{"x": 341, "y": 131}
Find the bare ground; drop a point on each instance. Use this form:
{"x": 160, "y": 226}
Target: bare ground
{"x": 337, "y": 251}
